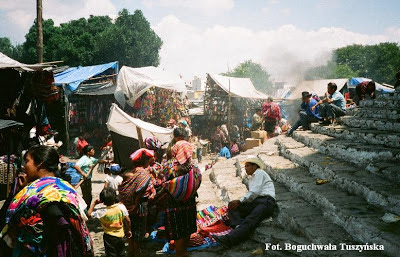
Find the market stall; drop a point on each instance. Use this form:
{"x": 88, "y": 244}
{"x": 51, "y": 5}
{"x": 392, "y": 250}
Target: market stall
{"x": 128, "y": 133}
{"x": 151, "y": 94}
{"x": 231, "y": 101}
{"x": 90, "y": 93}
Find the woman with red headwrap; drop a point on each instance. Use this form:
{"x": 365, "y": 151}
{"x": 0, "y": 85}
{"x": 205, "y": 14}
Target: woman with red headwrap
{"x": 185, "y": 179}
{"x": 134, "y": 192}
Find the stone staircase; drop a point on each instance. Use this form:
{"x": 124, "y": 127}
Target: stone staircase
{"x": 361, "y": 162}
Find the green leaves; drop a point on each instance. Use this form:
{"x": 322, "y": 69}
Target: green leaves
{"x": 130, "y": 40}
{"x": 258, "y": 75}
{"x": 377, "y": 62}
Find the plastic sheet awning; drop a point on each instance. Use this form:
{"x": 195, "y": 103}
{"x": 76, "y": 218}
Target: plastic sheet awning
{"x": 7, "y": 62}
{"x": 72, "y": 77}
{"x": 9, "y": 123}
{"x": 125, "y": 125}
{"x": 353, "y": 82}
{"x": 238, "y": 87}
{"x": 134, "y": 82}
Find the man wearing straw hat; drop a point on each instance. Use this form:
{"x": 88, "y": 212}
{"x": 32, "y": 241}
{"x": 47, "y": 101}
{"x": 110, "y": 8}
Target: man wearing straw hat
{"x": 257, "y": 204}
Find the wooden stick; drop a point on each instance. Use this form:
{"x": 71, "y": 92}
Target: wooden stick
{"x": 91, "y": 170}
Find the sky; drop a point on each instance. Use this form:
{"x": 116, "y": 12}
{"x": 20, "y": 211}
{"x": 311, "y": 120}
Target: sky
{"x": 214, "y": 36}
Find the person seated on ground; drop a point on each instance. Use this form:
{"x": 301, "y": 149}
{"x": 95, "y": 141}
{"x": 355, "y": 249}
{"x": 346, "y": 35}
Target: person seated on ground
{"x": 234, "y": 148}
{"x": 257, "y": 204}
{"x": 225, "y": 152}
{"x": 307, "y": 116}
{"x": 332, "y": 106}
{"x": 365, "y": 88}
{"x": 112, "y": 219}
{"x": 257, "y": 120}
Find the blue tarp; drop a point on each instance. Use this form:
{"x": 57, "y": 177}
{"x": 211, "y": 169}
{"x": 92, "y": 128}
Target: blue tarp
{"x": 72, "y": 77}
{"x": 353, "y": 82}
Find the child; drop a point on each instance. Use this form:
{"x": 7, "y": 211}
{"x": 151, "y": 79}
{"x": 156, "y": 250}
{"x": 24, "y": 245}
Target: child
{"x": 113, "y": 180}
{"x": 112, "y": 220}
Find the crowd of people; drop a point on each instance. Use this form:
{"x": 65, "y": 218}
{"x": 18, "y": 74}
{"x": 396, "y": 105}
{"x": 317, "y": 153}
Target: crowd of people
{"x": 45, "y": 216}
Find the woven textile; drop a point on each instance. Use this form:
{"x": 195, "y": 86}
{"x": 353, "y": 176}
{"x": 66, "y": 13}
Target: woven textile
{"x": 184, "y": 187}
{"x": 182, "y": 151}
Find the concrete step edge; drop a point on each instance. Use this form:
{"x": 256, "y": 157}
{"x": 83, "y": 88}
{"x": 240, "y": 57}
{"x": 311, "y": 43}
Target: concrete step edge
{"x": 383, "y": 199}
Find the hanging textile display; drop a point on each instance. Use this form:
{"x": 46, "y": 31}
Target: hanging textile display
{"x": 158, "y": 105}
{"x": 220, "y": 109}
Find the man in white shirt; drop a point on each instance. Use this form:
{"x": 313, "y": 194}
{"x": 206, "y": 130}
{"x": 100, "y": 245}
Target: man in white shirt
{"x": 257, "y": 204}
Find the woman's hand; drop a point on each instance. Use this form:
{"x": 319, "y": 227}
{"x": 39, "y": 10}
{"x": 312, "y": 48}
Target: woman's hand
{"x": 22, "y": 180}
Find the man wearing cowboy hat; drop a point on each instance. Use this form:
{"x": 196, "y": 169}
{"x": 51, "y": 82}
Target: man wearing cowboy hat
{"x": 307, "y": 114}
{"x": 257, "y": 204}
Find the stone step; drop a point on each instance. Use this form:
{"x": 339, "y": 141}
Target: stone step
{"x": 358, "y": 153}
{"x": 375, "y": 113}
{"x": 360, "y": 219}
{"x": 380, "y": 103}
{"x": 389, "y": 96}
{"x": 373, "y": 137}
{"x": 387, "y": 170}
{"x": 344, "y": 175}
{"x": 371, "y": 123}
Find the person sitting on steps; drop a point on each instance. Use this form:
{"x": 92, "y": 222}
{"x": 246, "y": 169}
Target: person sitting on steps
{"x": 332, "y": 106}
{"x": 307, "y": 116}
{"x": 256, "y": 205}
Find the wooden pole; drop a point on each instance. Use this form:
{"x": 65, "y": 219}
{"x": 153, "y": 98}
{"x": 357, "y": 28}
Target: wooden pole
{"x": 140, "y": 137}
{"x": 229, "y": 106}
{"x": 39, "y": 30}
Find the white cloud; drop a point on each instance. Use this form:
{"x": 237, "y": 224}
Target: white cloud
{"x": 207, "y": 7}
{"x": 286, "y": 51}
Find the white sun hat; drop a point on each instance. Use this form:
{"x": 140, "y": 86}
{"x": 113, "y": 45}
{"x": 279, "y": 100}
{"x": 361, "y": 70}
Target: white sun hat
{"x": 254, "y": 159}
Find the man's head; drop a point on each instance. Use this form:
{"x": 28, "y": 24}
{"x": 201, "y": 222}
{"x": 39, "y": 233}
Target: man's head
{"x": 252, "y": 163}
{"x": 270, "y": 99}
{"x": 332, "y": 87}
{"x": 259, "y": 111}
{"x": 305, "y": 96}
{"x": 179, "y": 134}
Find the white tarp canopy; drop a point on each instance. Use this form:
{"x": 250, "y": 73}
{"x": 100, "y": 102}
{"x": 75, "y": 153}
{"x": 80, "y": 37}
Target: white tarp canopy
{"x": 125, "y": 125}
{"x": 134, "y": 82}
{"x": 7, "y": 62}
{"x": 238, "y": 87}
{"x": 318, "y": 87}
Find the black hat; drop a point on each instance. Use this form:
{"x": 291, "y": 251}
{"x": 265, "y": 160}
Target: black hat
{"x": 305, "y": 94}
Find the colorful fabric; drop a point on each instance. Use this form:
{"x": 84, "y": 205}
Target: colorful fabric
{"x": 182, "y": 151}
{"x": 130, "y": 187}
{"x": 112, "y": 219}
{"x": 138, "y": 154}
{"x": 25, "y": 213}
{"x": 184, "y": 187}
{"x": 152, "y": 143}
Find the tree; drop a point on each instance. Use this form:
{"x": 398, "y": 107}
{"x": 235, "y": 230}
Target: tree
{"x": 6, "y": 47}
{"x": 330, "y": 71}
{"x": 258, "y": 75}
{"x": 131, "y": 41}
{"x": 378, "y": 62}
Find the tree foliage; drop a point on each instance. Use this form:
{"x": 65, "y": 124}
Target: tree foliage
{"x": 129, "y": 40}
{"x": 258, "y": 75}
{"x": 378, "y": 62}
{"x": 7, "y": 48}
